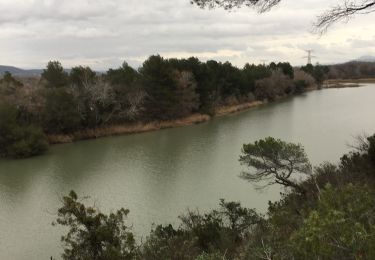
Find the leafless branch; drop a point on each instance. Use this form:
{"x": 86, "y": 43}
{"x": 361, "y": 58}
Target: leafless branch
{"x": 261, "y": 5}
{"x": 343, "y": 12}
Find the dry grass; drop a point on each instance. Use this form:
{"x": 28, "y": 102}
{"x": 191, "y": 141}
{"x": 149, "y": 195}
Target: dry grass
{"x": 60, "y": 139}
{"x": 225, "y": 110}
{"x": 130, "y": 128}
{"x": 347, "y": 83}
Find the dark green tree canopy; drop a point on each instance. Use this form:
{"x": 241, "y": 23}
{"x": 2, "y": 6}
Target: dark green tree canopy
{"x": 275, "y": 162}
{"x": 92, "y": 234}
{"x": 124, "y": 75}
{"x": 16, "y": 139}
{"x": 54, "y": 75}
{"x": 81, "y": 76}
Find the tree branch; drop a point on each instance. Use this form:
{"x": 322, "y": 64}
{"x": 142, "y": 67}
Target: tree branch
{"x": 261, "y": 5}
{"x": 344, "y": 11}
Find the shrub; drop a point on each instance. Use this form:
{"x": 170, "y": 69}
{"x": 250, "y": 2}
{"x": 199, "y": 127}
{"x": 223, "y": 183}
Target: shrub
{"x": 16, "y": 140}
{"x": 340, "y": 228}
{"x": 94, "y": 235}
{"x": 31, "y": 141}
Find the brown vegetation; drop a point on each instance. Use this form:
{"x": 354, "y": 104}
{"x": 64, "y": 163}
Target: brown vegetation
{"x": 225, "y": 110}
{"x": 141, "y": 127}
{"x": 130, "y": 128}
{"x": 347, "y": 83}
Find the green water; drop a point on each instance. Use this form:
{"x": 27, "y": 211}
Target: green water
{"x": 160, "y": 174}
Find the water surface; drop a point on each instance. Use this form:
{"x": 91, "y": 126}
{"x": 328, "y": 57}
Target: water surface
{"x": 160, "y": 174}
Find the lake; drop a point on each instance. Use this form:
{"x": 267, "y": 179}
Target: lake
{"x": 158, "y": 175}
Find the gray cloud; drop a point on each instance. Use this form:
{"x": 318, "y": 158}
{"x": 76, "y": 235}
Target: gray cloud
{"x": 103, "y": 33}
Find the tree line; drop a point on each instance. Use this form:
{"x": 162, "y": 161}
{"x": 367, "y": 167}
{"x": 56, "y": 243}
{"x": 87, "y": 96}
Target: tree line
{"x": 63, "y": 102}
{"x": 329, "y": 214}
{"x": 352, "y": 70}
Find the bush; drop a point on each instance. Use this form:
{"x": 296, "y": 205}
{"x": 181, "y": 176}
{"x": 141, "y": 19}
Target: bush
{"x": 31, "y": 141}
{"x": 94, "y": 235}
{"x": 205, "y": 236}
{"x": 215, "y": 256}
{"x": 340, "y": 228}
{"x": 16, "y": 140}
{"x": 300, "y": 86}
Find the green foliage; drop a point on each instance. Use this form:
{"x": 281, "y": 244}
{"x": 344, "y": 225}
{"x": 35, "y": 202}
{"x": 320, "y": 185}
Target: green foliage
{"x": 55, "y": 76}
{"x": 29, "y": 141}
{"x": 93, "y": 235}
{"x": 300, "y": 86}
{"x": 319, "y": 72}
{"x": 60, "y": 112}
{"x": 214, "y": 256}
{"x": 160, "y": 86}
{"x": 162, "y": 89}
{"x": 371, "y": 149}
{"x": 165, "y": 242}
{"x": 340, "y": 228}
{"x": 81, "y": 76}
{"x": 219, "y": 232}
{"x": 285, "y": 67}
{"x": 275, "y": 161}
{"x": 125, "y": 75}
{"x": 170, "y": 92}
{"x": 332, "y": 223}
{"x": 17, "y": 140}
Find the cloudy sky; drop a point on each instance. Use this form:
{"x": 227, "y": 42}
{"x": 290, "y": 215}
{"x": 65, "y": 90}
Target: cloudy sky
{"x": 104, "y": 33}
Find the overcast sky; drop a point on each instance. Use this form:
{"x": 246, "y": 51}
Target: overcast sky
{"x": 104, "y": 33}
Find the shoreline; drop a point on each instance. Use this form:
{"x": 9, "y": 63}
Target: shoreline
{"x": 346, "y": 83}
{"x": 135, "y": 128}
{"x": 141, "y": 127}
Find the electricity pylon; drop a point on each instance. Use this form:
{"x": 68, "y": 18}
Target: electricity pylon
{"x": 309, "y": 56}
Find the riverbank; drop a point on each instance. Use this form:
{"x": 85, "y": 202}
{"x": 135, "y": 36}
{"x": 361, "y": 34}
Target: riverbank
{"x": 347, "y": 83}
{"x": 141, "y": 127}
{"x": 133, "y": 128}
{"x": 130, "y": 128}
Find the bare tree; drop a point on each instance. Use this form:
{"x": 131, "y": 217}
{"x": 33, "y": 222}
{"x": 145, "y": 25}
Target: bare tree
{"x": 95, "y": 96}
{"x": 341, "y": 12}
{"x": 135, "y": 100}
{"x": 301, "y": 75}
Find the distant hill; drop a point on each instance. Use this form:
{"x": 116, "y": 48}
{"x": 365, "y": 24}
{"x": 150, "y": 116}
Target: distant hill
{"x": 20, "y": 72}
{"x": 367, "y": 58}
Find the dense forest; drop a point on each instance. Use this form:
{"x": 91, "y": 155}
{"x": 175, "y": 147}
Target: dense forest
{"x": 62, "y": 102}
{"x": 329, "y": 214}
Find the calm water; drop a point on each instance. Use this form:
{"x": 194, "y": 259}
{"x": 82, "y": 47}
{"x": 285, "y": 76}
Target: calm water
{"x": 158, "y": 175}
